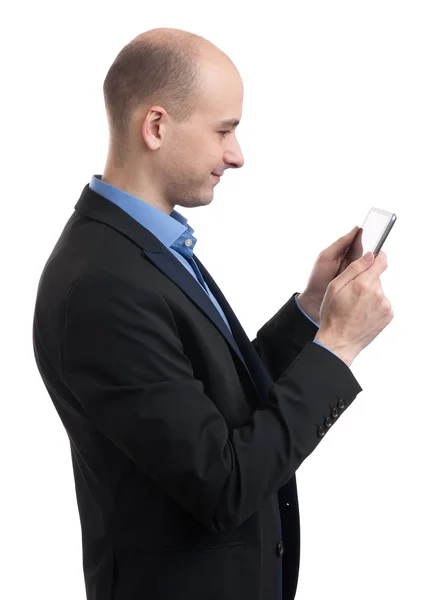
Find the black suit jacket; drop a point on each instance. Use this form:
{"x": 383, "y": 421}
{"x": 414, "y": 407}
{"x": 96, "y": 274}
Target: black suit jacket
{"x": 181, "y": 435}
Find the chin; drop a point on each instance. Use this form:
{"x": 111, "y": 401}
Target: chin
{"x": 205, "y": 201}
{"x": 195, "y": 202}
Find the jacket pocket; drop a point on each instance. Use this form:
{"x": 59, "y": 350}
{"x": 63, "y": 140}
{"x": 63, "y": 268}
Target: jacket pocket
{"x": 220, "y": 571}
{"x": 232, "y": 545}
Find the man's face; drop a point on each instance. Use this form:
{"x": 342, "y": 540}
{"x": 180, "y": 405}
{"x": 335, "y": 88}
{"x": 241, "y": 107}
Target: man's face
{"x": 189, "y": 152}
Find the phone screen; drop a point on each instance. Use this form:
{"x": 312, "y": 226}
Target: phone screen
{"x": 370, "y": 236}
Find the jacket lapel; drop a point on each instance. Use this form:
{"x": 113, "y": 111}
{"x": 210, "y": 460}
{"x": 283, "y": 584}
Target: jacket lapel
{"x": 257, "y": 368}
{"x": 95, "y": 206}
{"x": 170, "y": 266}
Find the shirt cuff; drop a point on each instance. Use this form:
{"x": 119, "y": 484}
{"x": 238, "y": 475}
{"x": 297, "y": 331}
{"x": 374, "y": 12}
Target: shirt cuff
{"x": 316, "y": 324}
{"x": 320, "y": 344}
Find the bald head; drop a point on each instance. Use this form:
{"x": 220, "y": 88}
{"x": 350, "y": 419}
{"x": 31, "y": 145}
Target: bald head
{"x": 167, "y": 66}
{"x": 165, "y": 91}
{"x": 187, "y": 42}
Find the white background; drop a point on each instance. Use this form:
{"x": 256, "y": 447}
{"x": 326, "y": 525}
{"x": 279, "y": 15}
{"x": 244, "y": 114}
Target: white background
{"x": 344, "y": 109}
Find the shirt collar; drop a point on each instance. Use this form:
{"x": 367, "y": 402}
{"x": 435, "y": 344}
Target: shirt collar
{"x": 169, "y": 229}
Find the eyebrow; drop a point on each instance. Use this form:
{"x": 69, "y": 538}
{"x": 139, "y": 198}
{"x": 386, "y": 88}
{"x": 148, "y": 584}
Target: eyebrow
{"x": 228, "y": 123}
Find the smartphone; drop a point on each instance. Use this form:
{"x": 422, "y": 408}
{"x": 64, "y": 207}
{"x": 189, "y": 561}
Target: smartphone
{"x": 370, "y": 237}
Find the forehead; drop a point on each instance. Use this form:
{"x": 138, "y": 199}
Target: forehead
{"x": 223, "y": 109}
{"x": 222, "y": 93}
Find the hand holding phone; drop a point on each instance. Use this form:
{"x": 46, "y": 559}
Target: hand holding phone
{"x": 355, "y": 309}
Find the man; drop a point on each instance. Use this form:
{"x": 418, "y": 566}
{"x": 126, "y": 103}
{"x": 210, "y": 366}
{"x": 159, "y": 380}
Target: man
{"x": 185, "y": 435}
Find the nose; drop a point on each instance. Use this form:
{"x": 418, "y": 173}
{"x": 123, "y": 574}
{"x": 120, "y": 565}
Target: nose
{"x": 233, "y": 157}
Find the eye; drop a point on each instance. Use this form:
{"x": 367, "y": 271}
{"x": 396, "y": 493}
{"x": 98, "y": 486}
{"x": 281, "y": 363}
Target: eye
{"x": 224, "y": 132}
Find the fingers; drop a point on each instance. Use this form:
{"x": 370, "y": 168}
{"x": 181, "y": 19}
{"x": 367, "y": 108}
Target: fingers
{"x": 379, "y": 265}
{"x": 368, "y": 272}
{"x": 384, "y": 302}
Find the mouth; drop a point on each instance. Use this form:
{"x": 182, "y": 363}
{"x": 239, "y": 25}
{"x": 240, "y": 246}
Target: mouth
{"x": 217, "y": 177}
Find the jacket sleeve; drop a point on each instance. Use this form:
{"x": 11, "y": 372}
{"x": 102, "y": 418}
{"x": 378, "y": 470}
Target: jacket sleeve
{"x": 124, "y": 362}
{"x": 281, "y": 339}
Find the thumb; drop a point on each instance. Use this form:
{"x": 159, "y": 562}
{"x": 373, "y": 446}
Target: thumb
{"x": 355, "y": 268}
{"x": 341, "y": 245}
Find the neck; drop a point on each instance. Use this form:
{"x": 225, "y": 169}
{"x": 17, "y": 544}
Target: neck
{"x": 136, "y": 185}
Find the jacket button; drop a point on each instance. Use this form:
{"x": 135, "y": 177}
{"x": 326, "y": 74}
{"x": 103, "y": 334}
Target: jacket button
{"x": 321, "y": 430}
{"x": 335, "y": 412}
{"x": 341, "y": 404}
{"x": 280, "y": 548}
{"x": 328, "y": 421}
